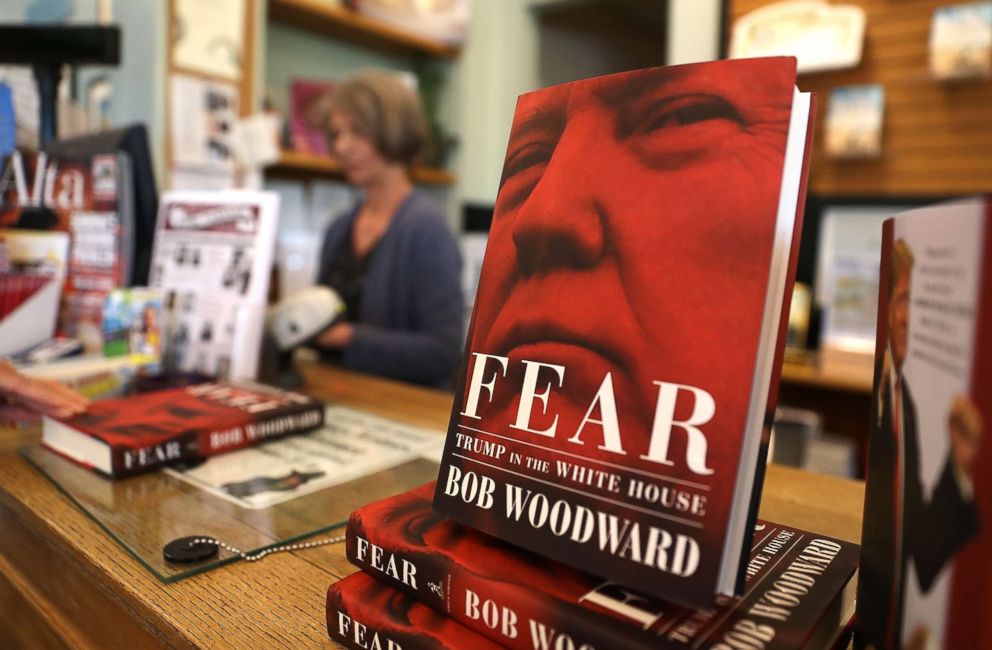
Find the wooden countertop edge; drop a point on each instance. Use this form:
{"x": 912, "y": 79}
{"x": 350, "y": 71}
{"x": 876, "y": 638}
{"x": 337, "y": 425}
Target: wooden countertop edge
{"x": 55, "y": 550}
{"x": 76, "y": 547}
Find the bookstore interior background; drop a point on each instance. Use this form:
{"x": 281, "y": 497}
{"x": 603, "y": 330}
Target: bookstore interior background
{"x": 174, "y": 183}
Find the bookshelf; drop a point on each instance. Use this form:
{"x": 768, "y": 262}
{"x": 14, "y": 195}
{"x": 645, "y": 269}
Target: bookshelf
{"x": 342, "y": 23}
{"x": 351, "y": 41}
{"x": 293, "y": 165}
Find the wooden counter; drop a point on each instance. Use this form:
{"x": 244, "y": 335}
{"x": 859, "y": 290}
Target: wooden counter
{"x": 64, "y": 583}
{"x": 842, "y": 397}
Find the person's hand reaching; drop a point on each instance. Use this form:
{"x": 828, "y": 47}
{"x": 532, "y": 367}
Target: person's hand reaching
{"x": 27, "y": 395}
{"x": 965, "y": 425}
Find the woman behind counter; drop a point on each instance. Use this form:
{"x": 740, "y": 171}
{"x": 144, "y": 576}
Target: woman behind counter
{"x": 392, "y": 258}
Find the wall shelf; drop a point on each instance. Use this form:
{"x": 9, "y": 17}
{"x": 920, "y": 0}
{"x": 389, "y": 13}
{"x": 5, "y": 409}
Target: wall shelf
{"x": 303, "y": 166}
{"x": 345, "y": 24}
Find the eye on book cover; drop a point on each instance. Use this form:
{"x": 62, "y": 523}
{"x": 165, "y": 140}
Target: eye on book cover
{"x": 629, "y": 301}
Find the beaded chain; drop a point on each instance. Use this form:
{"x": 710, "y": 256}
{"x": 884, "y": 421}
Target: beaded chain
{"x": 276, "y": 549}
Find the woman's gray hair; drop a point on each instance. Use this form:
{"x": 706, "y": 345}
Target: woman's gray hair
{"x": 386, "y": 111}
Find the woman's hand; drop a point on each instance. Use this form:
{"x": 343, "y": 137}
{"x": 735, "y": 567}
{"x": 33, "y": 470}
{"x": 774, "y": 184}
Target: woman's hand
{"x": 336, "y": 337}
{"x": 44, "y": 396}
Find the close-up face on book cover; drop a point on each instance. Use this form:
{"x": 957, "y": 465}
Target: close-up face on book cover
{"x": 625, "y": 281}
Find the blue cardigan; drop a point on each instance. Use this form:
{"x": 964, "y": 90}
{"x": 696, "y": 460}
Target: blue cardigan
{"x": 409, "y": 324}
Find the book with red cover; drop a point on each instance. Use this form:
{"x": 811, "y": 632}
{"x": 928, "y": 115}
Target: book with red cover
{"x": 620, "y": 362}
{"x": 363, "y": 613}
{"x": 799, "y": 591}
{"x": 926, "y": 558}
{"x": 129, "y": 435}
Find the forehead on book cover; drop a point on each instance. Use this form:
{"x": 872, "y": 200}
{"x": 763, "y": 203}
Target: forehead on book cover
{"x": 632, "y": 236}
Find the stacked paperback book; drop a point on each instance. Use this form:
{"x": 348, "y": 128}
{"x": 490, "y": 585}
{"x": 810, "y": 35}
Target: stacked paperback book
{"x": 605, "y": 454}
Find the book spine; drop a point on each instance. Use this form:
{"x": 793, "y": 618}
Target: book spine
{"x": 783, "y": 327}
{"x": 260, "y": 428}
{"x": 363, "y": 613}
{"x": 510, "y": 613}
{"x": 127, "y": 461}
{"x": 130, "y": 461}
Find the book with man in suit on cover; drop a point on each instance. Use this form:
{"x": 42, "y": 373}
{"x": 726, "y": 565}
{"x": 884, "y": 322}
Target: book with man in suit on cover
{"x": 927, "y": 533}
{"x": 630, "y": 322}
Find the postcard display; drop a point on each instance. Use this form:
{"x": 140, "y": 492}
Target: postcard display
{"x": 212, "y": 259}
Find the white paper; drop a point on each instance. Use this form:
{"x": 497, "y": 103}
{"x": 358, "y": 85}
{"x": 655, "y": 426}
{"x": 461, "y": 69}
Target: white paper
{"x": 210, "y": 37}
{"x": 351, "y": 444}
{"x": 256, "y": 140}
{"x": 212, "y": 259}
{"x": 192, "y": 177}
{"x": 847, "y": 275}
{"x": 202, "y": 120}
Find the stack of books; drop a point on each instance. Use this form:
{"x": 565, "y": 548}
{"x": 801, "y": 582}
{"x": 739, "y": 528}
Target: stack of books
{"x": 605, "y": 453}
{"x": 429, "y": 582}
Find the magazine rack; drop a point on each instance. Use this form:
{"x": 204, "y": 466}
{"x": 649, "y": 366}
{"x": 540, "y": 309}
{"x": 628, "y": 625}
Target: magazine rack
{"x": 144, "y": 513}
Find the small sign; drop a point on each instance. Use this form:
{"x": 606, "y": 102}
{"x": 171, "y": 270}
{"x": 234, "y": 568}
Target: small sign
{"x": 821, "y": 36}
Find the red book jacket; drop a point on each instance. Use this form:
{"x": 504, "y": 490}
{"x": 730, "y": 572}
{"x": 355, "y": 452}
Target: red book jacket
{"x": 365, "y": 614}
{"x": 795, "y": 586}
{"x": 617, "y": 370}
{"x": 926, "y": 558}
{"x": 143, "y": 432}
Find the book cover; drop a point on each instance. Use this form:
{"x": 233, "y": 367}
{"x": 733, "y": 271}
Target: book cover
{"x": 363, "y": 613}
{"x": 620, "y": 357}
{"x": 125, "y": 436}
{"x": 132, "y": 322}
{"x": 926, "y": 538}
{"x": 795, "y": 586}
